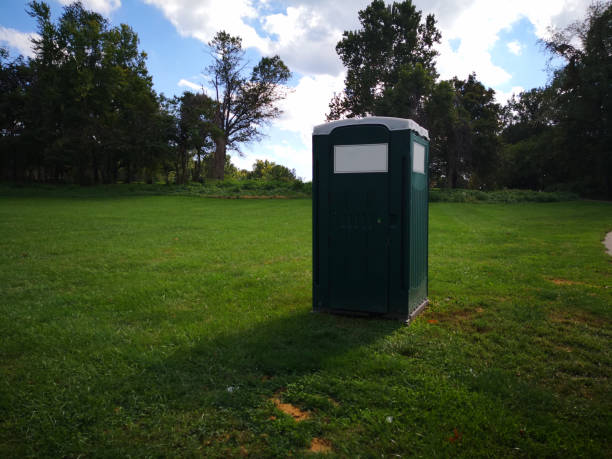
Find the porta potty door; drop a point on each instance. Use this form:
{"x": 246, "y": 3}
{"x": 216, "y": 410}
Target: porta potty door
{"x": 358, "y": 219}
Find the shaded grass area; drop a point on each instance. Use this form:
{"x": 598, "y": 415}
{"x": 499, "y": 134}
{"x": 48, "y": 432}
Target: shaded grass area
{"x": 168, "y": 325}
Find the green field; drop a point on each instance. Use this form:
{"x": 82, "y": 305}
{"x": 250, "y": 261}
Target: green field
{"x": 181, "y": 326}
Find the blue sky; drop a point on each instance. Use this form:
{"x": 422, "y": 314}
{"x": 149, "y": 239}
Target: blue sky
{"x": 495, "y": 38}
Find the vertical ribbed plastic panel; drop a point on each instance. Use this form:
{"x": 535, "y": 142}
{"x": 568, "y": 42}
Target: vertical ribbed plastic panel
{"x": 419, "y": 221}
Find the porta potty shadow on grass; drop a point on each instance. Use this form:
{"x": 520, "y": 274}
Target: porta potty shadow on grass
{"x": 228, "y": 383}
{"x": 274, "y": 350}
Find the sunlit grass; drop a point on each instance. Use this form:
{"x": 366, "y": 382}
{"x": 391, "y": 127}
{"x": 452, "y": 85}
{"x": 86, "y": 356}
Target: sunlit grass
{"x": 166, "y": 325}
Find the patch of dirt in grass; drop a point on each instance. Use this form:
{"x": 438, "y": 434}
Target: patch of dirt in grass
{"x": 293, "y": 411}
{"x": 319, "y": 445}
{"x": 454, "y": 317}
{"x": 565, "y": 282}
{"x": 576, "y": 317}
{"x": 559, "y": 281}
{"x": 461, "y": 318}
{"x": 164, "y": 256}
{"x": 182, "y": 307}
{"x": 563, "y": 348}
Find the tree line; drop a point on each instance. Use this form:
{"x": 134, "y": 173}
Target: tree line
{"x": 553, "y": 138}
{"x": 83, "y": 109}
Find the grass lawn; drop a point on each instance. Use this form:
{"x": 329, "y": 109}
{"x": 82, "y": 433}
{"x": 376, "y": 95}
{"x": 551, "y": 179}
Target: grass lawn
{"x": 181, "y": 326}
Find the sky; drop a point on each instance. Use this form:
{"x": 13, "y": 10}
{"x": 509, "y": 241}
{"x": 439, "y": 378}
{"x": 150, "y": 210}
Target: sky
{"x": 497, "y": 39}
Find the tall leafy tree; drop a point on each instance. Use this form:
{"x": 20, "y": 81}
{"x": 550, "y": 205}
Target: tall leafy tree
{"x": 481, "y": 114}
{"x": 464, "y": 128}
{"x": 90, "y": 106}
{"x": 15, "y": 78}
{"x": 389, "y": 61}
{"x": 446, "y": 133}
{"x": 560, "y": 136}
{"x": 531, "y": 140}
{"x": 584, "y": 99}
{"x": 130, "y": 110}
{"x": 243, "y": 103}
{"x": 195, "y": 129}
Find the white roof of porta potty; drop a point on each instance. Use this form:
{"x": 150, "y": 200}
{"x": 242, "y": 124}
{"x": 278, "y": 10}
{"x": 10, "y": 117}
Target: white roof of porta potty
{"x": 393, "y": 124}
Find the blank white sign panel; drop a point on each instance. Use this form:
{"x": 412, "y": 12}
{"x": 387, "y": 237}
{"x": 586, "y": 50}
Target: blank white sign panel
{"x": 418, "y": 158}
{"x": 352, "y": 159}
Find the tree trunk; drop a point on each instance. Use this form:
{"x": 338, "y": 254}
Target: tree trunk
{"x": 451, "y": 172}
{"x": 181, "y": 170}
{"x": 82, "y": 176}
{"x": 197, "y": 172}
{"x": 218, "y": 169}
{"x": 94, "y": 167}
{"x": 15, "y": 166}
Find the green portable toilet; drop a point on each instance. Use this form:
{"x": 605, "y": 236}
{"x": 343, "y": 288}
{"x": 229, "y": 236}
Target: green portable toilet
{"x": 370, "y": 217}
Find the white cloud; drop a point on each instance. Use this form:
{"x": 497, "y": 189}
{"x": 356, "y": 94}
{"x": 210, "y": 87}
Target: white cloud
{"x": 188, "y": 84}
{"x": 104, "y": 7}
{"x": 201, "y": 19}
{"x": 467, "y": 59}
{"x": 478, "y": 24}
{"x": 304, "y": 33}
{"x": 305, "y": 40}
{"x": 20, "y": 41}
{"x": 308, "y": 103}
{"x": 515, "y": 47}
{"x": 502, "y": 97}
